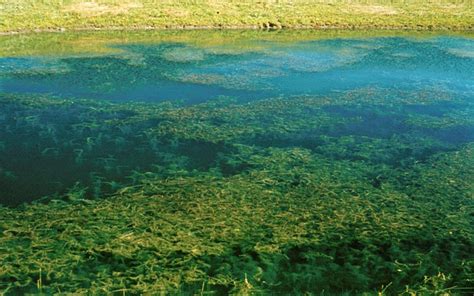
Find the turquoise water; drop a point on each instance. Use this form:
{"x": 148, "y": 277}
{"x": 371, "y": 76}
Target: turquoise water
{"x": 402, "y": 86}
{"x": 172, "y": 71}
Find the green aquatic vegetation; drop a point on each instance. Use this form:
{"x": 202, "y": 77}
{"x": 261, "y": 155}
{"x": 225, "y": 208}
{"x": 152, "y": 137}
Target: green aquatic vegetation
{"x": 394, "y": 151}
{"x": 429, "y": 95}
{"x": 452, "y": 119}
{"x": 296, "y": 222}
{"x": 311, "y": 187}
{"x": 99, "y": 137}
{"x": 226, "y": 81}
{"x": 284, "y": 195}
{"x": 184, "y": 55}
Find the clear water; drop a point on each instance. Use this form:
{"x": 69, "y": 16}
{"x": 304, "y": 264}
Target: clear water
{"x": 394, "y": 81}
{"x": 177, "y": 71}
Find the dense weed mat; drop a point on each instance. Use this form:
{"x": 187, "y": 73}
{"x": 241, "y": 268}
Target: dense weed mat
{"x": 305, "y": 195}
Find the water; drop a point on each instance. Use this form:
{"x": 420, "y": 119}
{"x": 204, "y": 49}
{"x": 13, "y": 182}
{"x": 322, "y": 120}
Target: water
{"x": 288, "y": 158}
{"x": 177, "y": 71}
{"x": 393, "y": 80}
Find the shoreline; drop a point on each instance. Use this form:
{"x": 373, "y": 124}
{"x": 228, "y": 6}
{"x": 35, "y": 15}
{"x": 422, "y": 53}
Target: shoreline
{"x": 242, "y": 27}
{"x": 418, "y": 28}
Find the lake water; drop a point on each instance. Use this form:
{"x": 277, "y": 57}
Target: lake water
{"x": 76, "y": 115}
{"x": 247, "y": 162}
{"x": 182, "y": 71}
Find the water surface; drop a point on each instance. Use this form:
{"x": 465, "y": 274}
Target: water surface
{"x": 78, "y": 117}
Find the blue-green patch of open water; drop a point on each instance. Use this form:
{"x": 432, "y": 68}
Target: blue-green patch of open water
{"x": 171, "y": 71}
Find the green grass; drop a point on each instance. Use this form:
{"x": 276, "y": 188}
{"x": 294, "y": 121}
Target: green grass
{"x": 54, "y": 15}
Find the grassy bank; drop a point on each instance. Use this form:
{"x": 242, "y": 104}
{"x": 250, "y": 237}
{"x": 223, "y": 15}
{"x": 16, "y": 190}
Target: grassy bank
{"x": 57, "y": 15}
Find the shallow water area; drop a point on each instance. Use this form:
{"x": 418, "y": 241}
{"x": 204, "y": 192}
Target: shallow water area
{"x": 376, "y": 87}
{"x": 249, "y": 70}
{"x": 246, "y": 162}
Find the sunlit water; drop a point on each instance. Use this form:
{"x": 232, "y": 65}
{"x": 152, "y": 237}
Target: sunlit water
{"x": 171, "y": 71}
{"x": 413, "y": 88}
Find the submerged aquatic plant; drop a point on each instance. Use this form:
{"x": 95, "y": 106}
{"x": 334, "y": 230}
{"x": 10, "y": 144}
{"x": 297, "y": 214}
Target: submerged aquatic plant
{"x": 340, "y": 194}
